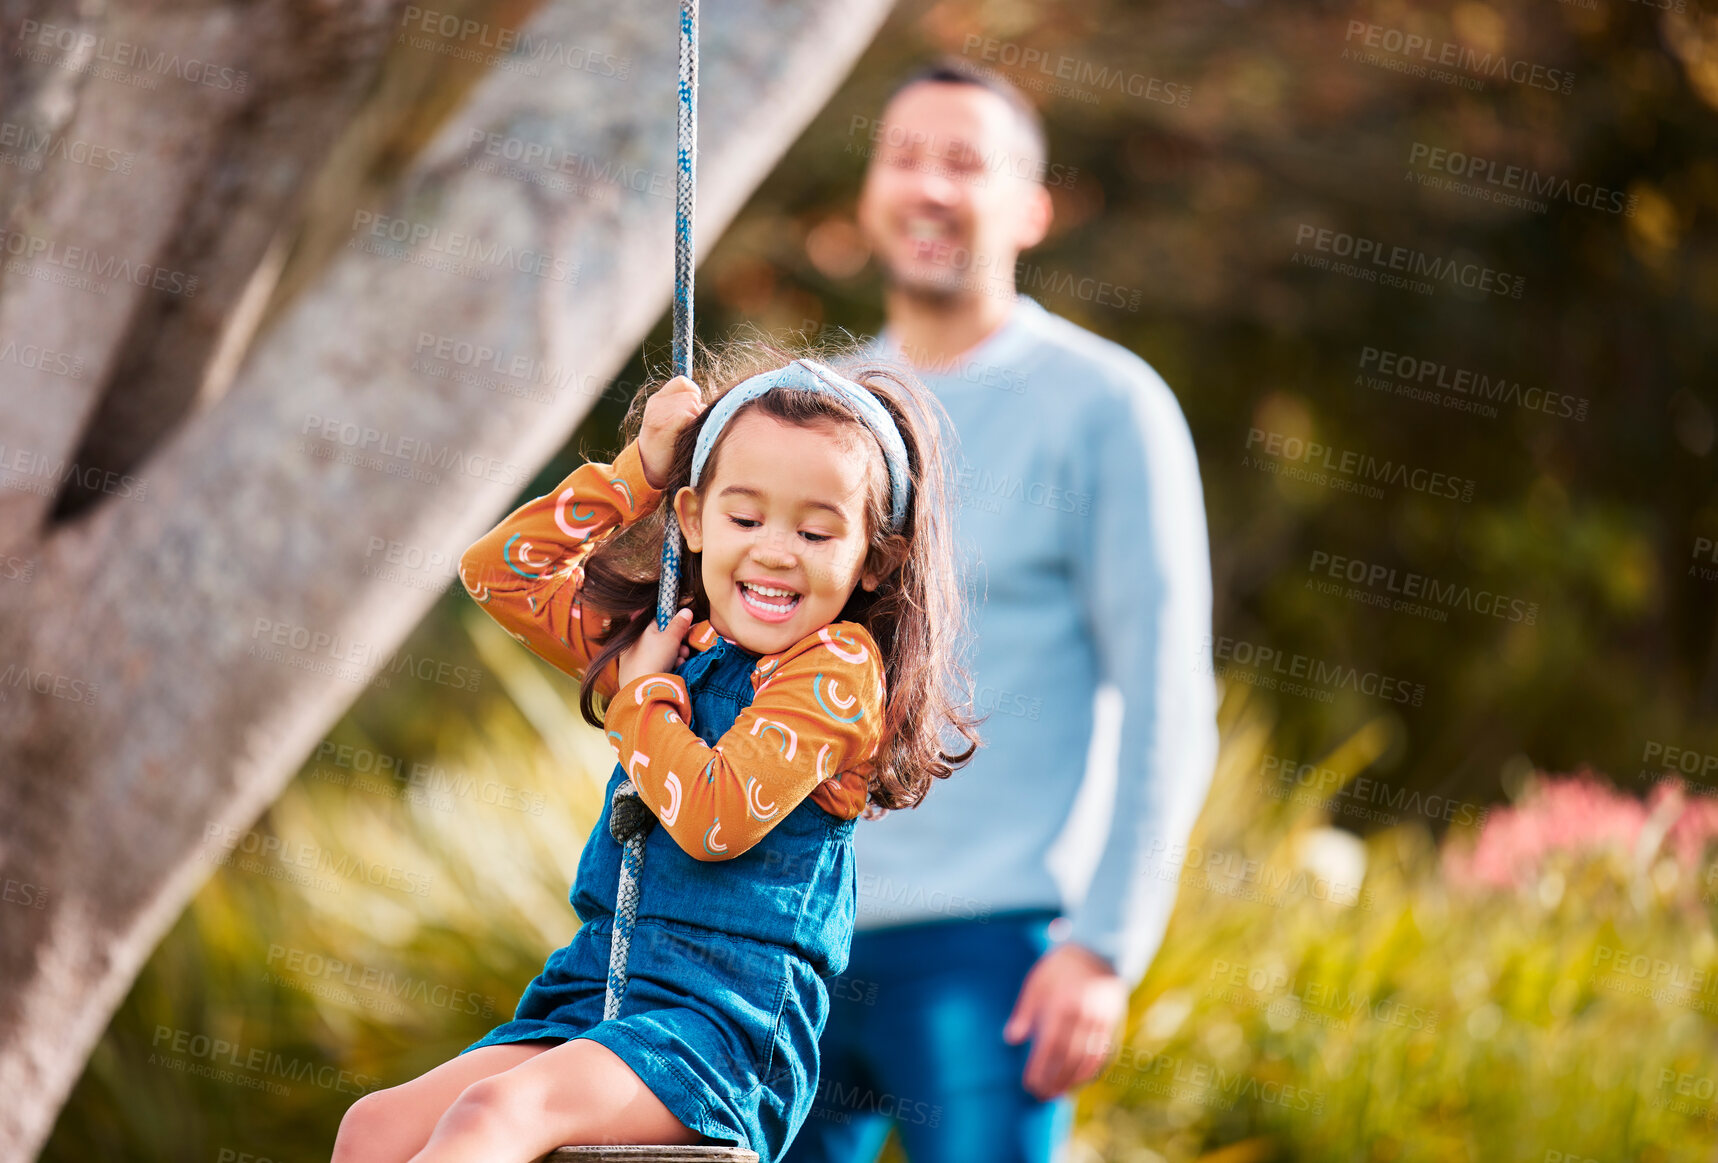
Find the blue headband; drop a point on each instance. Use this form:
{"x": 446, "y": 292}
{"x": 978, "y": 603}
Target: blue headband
{"x": 810, "y": 375}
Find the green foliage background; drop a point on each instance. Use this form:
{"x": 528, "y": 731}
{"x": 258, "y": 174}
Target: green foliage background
{"x": 1193, "y": 212}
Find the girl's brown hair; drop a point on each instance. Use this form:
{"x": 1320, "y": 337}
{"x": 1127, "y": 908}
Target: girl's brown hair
{"x": 917, "y": 612}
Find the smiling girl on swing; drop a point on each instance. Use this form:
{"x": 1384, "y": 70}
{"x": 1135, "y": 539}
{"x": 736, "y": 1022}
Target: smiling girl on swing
{"x": 809, "y": 677}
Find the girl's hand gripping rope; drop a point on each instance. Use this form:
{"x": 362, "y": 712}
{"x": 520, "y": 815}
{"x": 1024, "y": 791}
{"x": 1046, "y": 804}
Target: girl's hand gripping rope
{"x": 657, "y": 651}
{"x": 674, "y": 405}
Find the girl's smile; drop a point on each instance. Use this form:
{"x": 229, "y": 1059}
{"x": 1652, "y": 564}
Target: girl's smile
{"x": 781, "y": 530}
{"x": 767, "y": 602}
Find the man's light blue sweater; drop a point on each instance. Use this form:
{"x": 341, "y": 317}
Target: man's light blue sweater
{"x": 1082, "y": 522}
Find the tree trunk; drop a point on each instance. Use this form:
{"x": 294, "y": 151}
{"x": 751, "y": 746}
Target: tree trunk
{"x": 175, "y": 164}
{"x": 165, "y": 656}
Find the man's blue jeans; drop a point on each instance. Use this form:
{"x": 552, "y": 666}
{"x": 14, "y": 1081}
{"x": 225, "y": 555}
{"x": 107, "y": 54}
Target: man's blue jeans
{"x": 914, "y": 1039}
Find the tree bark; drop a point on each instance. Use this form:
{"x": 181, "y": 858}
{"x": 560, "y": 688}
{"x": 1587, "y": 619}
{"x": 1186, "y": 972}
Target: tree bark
{"x": 182, "y": 134}
{"x": 164, "y": 655}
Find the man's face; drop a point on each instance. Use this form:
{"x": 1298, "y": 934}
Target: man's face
{"x": 945, "y": 206}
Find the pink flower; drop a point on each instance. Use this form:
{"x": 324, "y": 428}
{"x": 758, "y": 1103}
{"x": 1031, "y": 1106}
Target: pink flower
{"x": 1583, "y": 815}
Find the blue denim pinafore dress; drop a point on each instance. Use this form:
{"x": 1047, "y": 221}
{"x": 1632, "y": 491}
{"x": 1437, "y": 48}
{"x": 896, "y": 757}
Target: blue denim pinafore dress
{"x": 725, "y": 998}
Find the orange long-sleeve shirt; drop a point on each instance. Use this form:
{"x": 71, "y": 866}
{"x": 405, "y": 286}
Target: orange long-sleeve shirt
{"x": 815, "y": 720}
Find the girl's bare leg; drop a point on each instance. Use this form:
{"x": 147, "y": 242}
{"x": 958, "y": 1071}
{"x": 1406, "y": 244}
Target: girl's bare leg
{"x": 579, "y": 1092}
{"x": 392, "y": 1125}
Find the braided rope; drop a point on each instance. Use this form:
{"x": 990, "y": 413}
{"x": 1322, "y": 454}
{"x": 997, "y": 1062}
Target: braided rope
{"x": 668, "y": 592}
{"x": 630, "y": 820}
{"x": 685, "y": 175}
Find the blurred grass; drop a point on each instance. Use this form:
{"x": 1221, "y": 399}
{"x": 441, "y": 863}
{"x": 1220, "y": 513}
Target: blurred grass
{"x": 1296, "y": 1011}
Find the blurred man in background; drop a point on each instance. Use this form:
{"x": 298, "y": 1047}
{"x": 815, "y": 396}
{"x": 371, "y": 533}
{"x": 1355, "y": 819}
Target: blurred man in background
{"x": 1003, "y": 924}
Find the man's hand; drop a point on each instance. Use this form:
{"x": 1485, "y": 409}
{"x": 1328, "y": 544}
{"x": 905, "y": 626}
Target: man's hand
{"x": 1071, "y": 1004}
{"x": 674, "y": 405}
{"x": 656, "y": 651}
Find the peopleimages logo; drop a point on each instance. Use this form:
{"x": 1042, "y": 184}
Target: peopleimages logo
{"x": 256, "y": 1066}
{"x": 1076, "y": 72}
{"x": 1225, "y": 654}
{"x": 1498, "y": 178}
{"x": 453, "y": 244}
{"x": 1355, "y": 796}
{"x": 52, "y": 473}
{"x": 46, "y": 144}
{"x": 506, "y": 48}
{"x": 535, "y": 155}
{"x": 1687, "y": 760}
{"x": 28, "y": 249}
{"x": 82, "y": 50}
{"x": 1419, "y": 587}
{"x": 462, "y": 360}
{"x": 1409, "y": 261}
{"x": 1311, "y": 998}
{"x": 1402, "y": 372}
{"x": 1423, "y": 50}
{"x": 42, "y": 359}
{"x": 1362, "y": 468}
{"x": 1203, "y": 1082}
{"x": 1705, "y": 550}
{"x": 404, "y": 451}
{"x": 322, "y": 969}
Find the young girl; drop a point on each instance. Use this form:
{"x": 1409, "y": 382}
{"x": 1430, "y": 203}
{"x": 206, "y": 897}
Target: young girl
{"x": 810, "y": 678}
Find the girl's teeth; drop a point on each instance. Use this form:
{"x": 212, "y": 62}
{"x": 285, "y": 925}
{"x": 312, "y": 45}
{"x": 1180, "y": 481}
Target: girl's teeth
{"x": 769, "y": 601}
